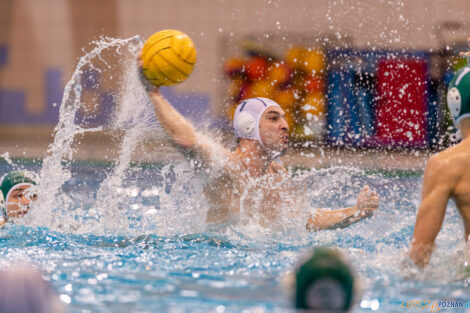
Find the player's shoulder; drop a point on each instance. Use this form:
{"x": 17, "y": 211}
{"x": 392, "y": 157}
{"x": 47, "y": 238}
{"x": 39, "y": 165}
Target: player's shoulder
{"x": 450, "y": 162}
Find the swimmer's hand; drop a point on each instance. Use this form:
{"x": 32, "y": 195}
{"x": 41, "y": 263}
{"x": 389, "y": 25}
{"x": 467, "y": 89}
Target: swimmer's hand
{"x": 367, "y": 202}
{"x": 149, "y": 87}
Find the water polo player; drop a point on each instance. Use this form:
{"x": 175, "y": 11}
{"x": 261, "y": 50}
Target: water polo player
{"x": 324, "y": 282}
{"x": 262, "y": 132}
{"x": 447, "y": 175}
{"x": 15, "y": 195}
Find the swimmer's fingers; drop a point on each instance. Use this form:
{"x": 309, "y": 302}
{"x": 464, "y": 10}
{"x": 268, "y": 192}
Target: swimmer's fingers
{"x": 367, "y": 199}
{"x": 145, "y": 82}
{"x": 371, "y": 204}
{"x": 367, "y": 211}
{"x": 372, "y": 200}
{"x": 139, "y": 59}
{"x": 148, "y": 85}
{"x": 368, "y": 206}
{"x": 367, "y": 192}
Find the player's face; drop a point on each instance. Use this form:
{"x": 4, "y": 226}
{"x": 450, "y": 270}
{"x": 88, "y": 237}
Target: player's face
{"x": 18, "y": 201}
{"x": 273, "y": 129}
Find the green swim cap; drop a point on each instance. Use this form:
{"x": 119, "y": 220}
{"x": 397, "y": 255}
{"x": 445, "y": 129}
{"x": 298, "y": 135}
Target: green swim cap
{"x": 324, "y": 283}
{"x": 7, "y": 183}
{"x": 458, "y": 95}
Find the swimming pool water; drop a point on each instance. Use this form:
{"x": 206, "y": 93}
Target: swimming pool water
{"x": 151, "y": 251}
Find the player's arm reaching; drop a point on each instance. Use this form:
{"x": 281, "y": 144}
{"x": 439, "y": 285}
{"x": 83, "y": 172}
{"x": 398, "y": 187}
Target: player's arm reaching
{"x": 181, "y": 130}
{"x": 367, "y": 203}
{"x": 437, "y": 187}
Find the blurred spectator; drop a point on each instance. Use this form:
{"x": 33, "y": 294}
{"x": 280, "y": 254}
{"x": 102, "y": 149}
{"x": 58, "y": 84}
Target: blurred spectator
{"x": 23, "y": 290}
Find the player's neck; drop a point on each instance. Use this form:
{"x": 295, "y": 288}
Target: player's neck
{"x": 465, "y": 128}
{"x": 253, "y": 153}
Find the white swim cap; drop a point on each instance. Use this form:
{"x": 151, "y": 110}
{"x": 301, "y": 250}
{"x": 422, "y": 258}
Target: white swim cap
{"x": 247, "y": 117}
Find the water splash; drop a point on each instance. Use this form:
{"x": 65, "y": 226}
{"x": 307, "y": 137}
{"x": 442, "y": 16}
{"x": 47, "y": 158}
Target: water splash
{"x": 173, "y": 203}
{"x": 170, "y": 198}
{"x": 53, "y": 173}
{"x": 135, "y": 116}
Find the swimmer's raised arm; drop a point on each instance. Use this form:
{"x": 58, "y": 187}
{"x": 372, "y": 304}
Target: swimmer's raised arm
{"x": 367, "y": 203}
{"x": 181, "y": 131}
{"x": 179, "y": 128}
{"x": 435, "y": 194}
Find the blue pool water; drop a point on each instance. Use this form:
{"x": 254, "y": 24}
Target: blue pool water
{"x": 155, "y": 254}
{"x": 123, "y": 237}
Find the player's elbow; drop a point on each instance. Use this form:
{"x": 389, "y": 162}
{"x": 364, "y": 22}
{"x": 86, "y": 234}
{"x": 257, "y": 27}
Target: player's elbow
{"x": 185, "y": 141}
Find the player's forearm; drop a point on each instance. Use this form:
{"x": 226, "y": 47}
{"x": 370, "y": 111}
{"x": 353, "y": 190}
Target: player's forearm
{"x": 428, "y": 224}
{"x": 180, "y": 129}
{"x": 426, "y": 229}
{"x": 323, "y": 219}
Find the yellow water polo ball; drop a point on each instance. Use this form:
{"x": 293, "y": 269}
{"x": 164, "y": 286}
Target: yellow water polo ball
{"x": 168, "y": 57}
